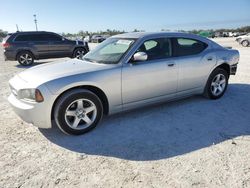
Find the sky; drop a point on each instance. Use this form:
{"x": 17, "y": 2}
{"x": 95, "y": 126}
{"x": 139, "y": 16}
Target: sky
{"x": 149, "y": 15}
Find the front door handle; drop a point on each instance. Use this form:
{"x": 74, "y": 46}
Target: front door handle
{"x": 171, "y": 64}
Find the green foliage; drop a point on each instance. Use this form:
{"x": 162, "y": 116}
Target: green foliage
{"x": 208, "y": 32}
{"x": 83, "y": 34}
{"x": 245, "y": 29}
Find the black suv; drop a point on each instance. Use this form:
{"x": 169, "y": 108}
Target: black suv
{"x": 27, "y": 46}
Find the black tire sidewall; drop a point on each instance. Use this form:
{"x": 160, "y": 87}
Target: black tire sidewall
{"x": 243, "y": 43}
{"x": 22, "y": 53}
{"x": 208, "y": 91}
{"x": 77, "y": 49}
{"x": 66, "y": 101}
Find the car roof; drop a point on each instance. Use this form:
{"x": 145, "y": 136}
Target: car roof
{"x": 31, "y": 32}
{"x": 149, "y": 35}
{"x": 137, "y": 35}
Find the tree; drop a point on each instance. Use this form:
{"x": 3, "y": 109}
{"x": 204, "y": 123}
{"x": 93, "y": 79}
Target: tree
{"x": 3, "y": 34}
{"x": 136, "y": 30}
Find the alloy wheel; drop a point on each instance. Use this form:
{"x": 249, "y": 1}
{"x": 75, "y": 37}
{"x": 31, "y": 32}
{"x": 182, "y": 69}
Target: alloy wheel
{"x": 245, "y": 43}
{"x": 80, "y": 114}
{"x": 80, "y": 54}
{"x": 218, "y": 84}
{"x": 26, "y": 59}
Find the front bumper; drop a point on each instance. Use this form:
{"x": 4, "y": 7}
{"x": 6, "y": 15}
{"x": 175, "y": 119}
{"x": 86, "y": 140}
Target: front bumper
{"x": 31, "y": 113}
{"x": 38, "y": 114}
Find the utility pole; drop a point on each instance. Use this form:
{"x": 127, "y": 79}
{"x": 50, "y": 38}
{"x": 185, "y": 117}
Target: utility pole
{"x": 17, "y": 29}
{"x": 35, "y": 20}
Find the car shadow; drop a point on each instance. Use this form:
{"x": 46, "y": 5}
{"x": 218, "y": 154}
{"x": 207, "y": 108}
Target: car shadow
{"x": 165, "y": 130}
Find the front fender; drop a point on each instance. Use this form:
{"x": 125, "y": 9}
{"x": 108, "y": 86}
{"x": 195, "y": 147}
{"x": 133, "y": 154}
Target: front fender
{"x": 110, "y": 85}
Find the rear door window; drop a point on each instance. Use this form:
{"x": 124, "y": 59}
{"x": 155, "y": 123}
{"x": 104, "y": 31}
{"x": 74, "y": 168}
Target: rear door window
{"x": 28, "y": 38}
{"x": 22, "y": 38}
{"x": 186, "y": 46}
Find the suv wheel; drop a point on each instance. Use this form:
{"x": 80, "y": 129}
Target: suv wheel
{"x": 25, "y": 58}
{"x": 245, "y": 43}
{"x": 79, "y": 53}
{"x": 78, "y": 111}
{"x": 217, "y": 84}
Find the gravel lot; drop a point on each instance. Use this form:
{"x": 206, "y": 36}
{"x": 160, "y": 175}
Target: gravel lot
{"x": 195, "y": 142}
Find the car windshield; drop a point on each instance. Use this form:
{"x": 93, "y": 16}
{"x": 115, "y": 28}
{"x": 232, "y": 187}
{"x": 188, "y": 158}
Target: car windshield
{"x": 110, "y": 51}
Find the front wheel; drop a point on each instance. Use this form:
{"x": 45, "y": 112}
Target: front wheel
{"x": 78, "y": 112}
{"x": 79, "y": 53}
{"x": 216, "y": 84}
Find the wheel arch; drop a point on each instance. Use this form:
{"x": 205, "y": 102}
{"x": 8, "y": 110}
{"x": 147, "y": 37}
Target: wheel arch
{"x": 25, "y": 50}
{"x": 224, "y": 66}
{"x": 77, "y": 47}
{"x": 101, "y": 95}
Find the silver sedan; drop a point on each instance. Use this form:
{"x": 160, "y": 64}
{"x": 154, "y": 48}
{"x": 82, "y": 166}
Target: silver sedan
{"x": 124, "y": 72}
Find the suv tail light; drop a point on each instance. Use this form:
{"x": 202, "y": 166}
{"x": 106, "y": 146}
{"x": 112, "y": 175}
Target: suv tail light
{"x": 6, "y": 45}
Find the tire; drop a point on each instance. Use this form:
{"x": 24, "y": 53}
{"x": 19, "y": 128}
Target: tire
{"x": 79, "y": 53}
{"x": 245, "y": 43}
{"x": 25, "y": 58}
{"x": 217, "y": 84}
{"x": 75, "y": 117}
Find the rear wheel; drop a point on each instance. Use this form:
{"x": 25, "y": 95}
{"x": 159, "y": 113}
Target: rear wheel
{"x": 245, "y": 43}
{"x": 25, "y": 58}
{"x": 79, "y": 53}
{"x": 78, "y": 112}
{"x": 216, "y": 84}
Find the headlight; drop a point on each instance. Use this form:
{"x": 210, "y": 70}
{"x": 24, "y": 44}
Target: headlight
{"x": 33, "y": 95}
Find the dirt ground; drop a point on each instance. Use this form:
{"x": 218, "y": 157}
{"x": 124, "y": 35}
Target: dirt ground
{"x": 194, "y": 142}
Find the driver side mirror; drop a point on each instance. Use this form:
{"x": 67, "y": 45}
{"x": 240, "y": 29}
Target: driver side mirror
{"x": 140, "y": 56}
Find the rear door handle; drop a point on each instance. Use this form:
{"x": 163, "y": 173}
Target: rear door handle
{"x": 209, "y": 58}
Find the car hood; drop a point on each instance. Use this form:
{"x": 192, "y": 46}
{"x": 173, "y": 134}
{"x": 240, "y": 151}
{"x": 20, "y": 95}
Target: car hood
{"x": 43, "y": 73}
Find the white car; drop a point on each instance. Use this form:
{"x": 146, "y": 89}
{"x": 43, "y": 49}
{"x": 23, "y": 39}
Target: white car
{"x": 244, "y": 40}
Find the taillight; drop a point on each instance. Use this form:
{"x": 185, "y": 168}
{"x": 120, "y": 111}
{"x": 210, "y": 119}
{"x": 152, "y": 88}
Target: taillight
{"x": 6, "y": 45}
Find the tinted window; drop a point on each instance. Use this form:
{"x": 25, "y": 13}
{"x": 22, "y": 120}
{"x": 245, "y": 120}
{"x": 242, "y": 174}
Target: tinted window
{"x": 156, "y": 48}
{"x": 22, "y": 38}
{"x": 184, "y": 47}
{"x": 31, "y": 37}
{"x": 52, "y": 37}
